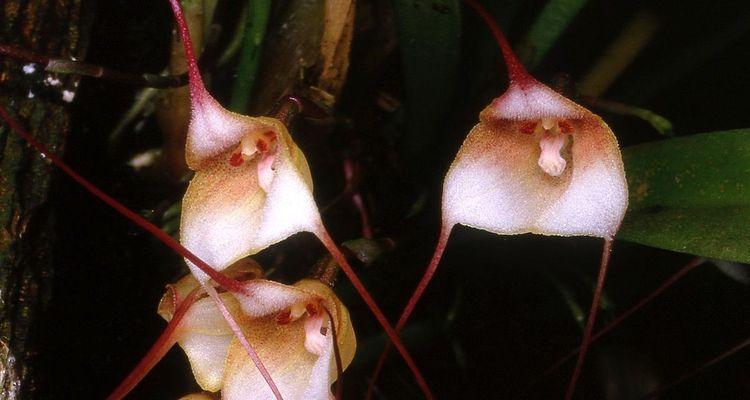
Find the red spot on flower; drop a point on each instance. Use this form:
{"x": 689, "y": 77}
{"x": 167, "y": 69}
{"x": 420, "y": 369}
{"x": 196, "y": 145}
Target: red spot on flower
{"x": 236, "y": 160}
{"x": 565, "y": 127}
{"x": 528, "y": 127}
{"x": 284, "y": 317}
{"x": 261, "y": 145}
{"x": 312, "y": 309}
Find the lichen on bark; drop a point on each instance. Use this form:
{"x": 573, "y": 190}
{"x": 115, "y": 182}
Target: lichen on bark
{"x": 53, "y": 28}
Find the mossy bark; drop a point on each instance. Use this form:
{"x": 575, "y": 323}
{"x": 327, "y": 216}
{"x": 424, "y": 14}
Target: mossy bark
{"x": 56, "y": 29}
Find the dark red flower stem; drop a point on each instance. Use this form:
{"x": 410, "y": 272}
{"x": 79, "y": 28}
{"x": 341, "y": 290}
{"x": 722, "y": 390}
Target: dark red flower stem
{"x": 240, "y": 335}
{"x": 339, "y": 257}
{"x": 218, "y": 277}
{"x": 412, "y": 303}
{"x": 517, "y": 73}
{"x": 166, "y": 340}
{"x": 591, "y": 320}
{"x": 226, "y": 282}
{"x": 692, "y": 264}
{"x": 197, "y": 89}
{"x": 728, "y": 353}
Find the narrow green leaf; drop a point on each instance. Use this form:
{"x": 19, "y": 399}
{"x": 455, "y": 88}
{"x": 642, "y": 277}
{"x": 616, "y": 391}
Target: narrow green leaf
{"x": 691, "y": 195}
{"x": 247, "y": 69}
{"x": 549, "y": 25}
{"x": 429, "y": 34}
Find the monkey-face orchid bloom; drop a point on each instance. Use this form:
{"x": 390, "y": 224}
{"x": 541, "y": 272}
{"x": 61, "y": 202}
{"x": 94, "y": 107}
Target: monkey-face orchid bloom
{"x": 292, "y": 331}
{"x": 535, "y": 163}
{"x": 252, "y": 188}
{"x": 252, "y": 185}
{"x": 249, "y": 192}
{"x": 539, "y": 163}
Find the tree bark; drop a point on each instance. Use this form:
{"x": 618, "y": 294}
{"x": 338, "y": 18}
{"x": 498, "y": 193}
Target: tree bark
{"x": 35, "y": 99}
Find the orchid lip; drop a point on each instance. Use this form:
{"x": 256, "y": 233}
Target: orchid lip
{"x": 552, "y": 139}
{"x": 315, "y": 329}
{"x": 550, "y": 160}
{"x": 253, "y": 144}
{"x": 315, "y": 339}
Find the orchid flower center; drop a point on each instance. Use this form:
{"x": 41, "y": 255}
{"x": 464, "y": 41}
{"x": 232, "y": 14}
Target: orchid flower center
{"x": 315, "y": 331}
{"x": 552, "y": 138}
{"x": 262, "y": 145}
{"x": 253, "y": 143}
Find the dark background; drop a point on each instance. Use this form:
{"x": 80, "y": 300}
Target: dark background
{"x": 494, "y": 317}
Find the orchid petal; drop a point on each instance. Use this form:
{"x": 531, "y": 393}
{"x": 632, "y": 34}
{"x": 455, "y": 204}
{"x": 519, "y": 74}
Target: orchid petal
{"x": 230, "y": 211}
{"x": 532, "y": 100}
{"x": 315, "y": 341}
{"x": 219, "y": 362}
{"x": 205, "y": 337}
{"x": 298, "y": 373}
{"x": 214, "y": 129}
{"x": 207, "y": 355}
{"x": 496, "y": 182}
{"x": 204, "y": 334}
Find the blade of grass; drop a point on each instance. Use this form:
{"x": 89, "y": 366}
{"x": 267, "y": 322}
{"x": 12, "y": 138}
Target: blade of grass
{"x": 247, "y": 68}
{"x": 620, "y": 54}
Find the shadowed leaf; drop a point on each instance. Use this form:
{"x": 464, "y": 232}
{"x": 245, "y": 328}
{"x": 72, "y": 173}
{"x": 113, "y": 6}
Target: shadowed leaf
{"x": 428, "y": 33}
{"x": 691, "y": 195}
{"x": 549, "y": 25}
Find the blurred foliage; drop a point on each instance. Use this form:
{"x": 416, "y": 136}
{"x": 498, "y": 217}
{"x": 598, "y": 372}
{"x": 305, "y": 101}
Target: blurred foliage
{"x": 547, "y": 28}
{"x": 420, "y": 71}
{"x": 428, "y": 35}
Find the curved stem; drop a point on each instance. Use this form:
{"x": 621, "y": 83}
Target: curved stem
{"x": 237, "y": 331}
{"x": 622, "y": 317}
{"x": 218, "y": 277}
{"x": 166, "y": 340}
{"x": 62, "y": 66}
{"x": 591, "y": 320}
{"x": 517, "y": 73}
{"x": 288, "y": 108}
{"x": 339, "y": 257}
{"x": 426, "y": 278}
{"x": 734, "y": 349}
{"x": 412, "y": 303}
{"x": 197, "y": 89}
{"x": 363, "y": 217}
{"x": 20, "y": 54}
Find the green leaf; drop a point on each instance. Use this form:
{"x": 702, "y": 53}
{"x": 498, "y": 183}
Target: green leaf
{"x": 691, "y": 195}
{"x": 256, "y": 21}
{"x": 429, "y": 40}
{"x": 549, "y": 25}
